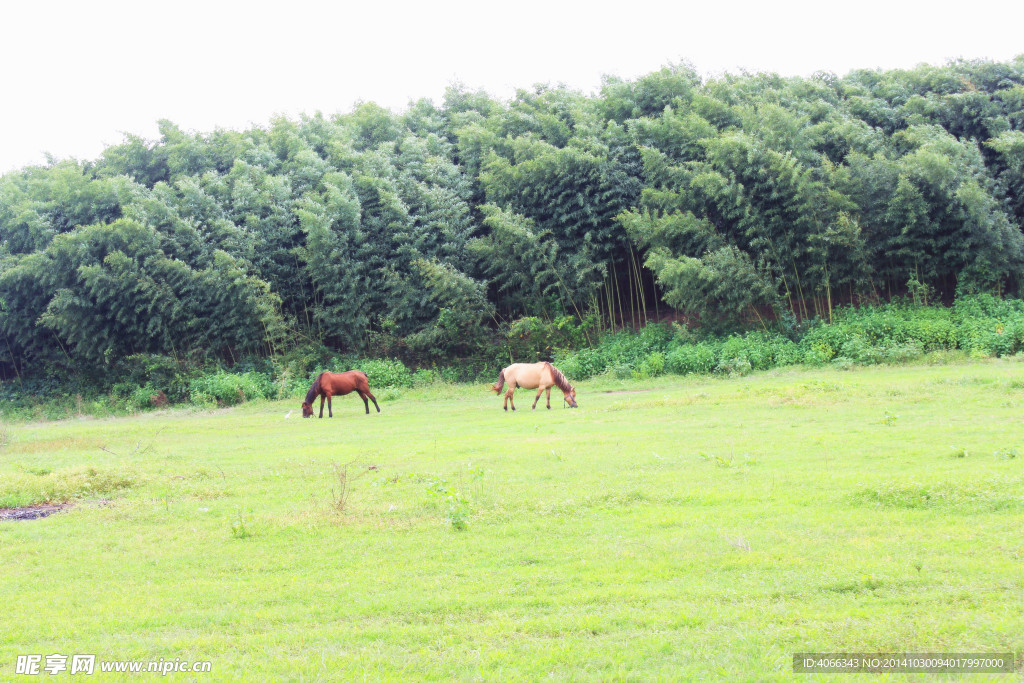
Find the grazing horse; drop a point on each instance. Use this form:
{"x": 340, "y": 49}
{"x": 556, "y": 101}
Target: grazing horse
{"x": 540, "y": 376}
{"x": 338, "y": 384}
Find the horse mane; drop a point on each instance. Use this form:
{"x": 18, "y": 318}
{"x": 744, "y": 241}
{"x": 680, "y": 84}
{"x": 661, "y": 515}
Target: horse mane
{"x": 560, "y": 381}
{"x": 314, "y": 390}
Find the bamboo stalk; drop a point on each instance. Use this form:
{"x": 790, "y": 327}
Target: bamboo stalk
{"x": 14, "y": 362}
{"x": 618, "y": 291}
{"x": 828, "y": 292}
{"x": 629, "y": 280}
{"x": 800, "y": 288}
{"x": 641, "y": 299}
{"x": 654, "y": 289}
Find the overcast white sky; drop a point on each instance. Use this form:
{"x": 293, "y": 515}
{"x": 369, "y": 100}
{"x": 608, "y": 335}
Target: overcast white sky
{"x": 74, "y": 76}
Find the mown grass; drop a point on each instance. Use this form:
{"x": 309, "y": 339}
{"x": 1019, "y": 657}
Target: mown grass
{"x": 672, "y": 528}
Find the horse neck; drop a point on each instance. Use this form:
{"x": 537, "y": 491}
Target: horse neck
{"x": 314, "y": 391}
{"x": 557, "y": 378}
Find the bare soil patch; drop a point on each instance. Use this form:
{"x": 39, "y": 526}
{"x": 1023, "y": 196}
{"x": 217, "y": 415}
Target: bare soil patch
{"x": 31, "y": 511}
{"x": 633, "y": 391}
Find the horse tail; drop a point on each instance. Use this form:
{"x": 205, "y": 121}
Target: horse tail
{"x": 501, "y": 382}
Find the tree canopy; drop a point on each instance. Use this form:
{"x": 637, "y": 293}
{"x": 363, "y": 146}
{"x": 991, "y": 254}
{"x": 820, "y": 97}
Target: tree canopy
{"x": 416, "y": 231}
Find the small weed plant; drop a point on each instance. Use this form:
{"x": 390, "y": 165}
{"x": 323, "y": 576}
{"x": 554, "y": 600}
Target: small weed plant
{"x": 456, "y": 504}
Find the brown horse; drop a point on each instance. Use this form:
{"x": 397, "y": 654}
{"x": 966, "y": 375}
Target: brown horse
{"x": 540, "y": 376}
{"x": 338, "y": 384}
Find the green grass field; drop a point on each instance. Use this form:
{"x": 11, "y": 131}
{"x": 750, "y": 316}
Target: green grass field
{"x": 669, "y": 529}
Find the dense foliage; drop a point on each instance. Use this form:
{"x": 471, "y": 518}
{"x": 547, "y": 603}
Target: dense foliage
{"x": 978, "y": 326}
{"x": 417, "y": 234}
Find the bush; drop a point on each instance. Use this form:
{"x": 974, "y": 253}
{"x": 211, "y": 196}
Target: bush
{"x": 146, "y": 397}
{"x": 842, "y": 363}
{"x": 531, "y": 339}
{"x": 228, "y": 389}
{"x": 160, "y": 373}
{"x": 451, "y": 375}
{"x": 621, "y": 353}
{"x": 291, "y": 385}
{"x": 424, "y": 377}
{"x": 583, "y": 364}
{"x": 787, "y": 352}
{"x": 622, "y": 372}
{"x": 903, "y": 353}
{"x": 385, "y": 373}
{"x": 699, "y": 358}
{"x": 734, "y": 367}
{"x": 653, "y": 365}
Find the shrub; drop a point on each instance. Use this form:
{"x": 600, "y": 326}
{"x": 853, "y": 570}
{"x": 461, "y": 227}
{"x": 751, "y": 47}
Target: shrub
{"x": 227, "y": 389}
{"x": 734, "y": 367}
{"x": 622, "y": 372}
{"x": 653, "y": 365}
{"x": 787, "y": 352}
{"x": 531, "y": 339}
{"x": 161, "y": 373}
{"x": 657, "y": 336}
{"x": 424, "y": 377}
{"x": 582, "y": 364}
{"x": 146, "y": 397}
{"x": 699, "y": 358}
{"x": 450, "y": 375}
{"x": 842, "y": 363}
{"x": 902, "y": 353}
{"x": 290, "y": 385}
{"x": 823, "y": 342}
{"x": 385, "y": 373}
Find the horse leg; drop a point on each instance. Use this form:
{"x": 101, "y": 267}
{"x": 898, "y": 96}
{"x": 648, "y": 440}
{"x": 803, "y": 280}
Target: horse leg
{"x": 322, "y": 396}
{"x": 540, "y": 391}
{"x": 330, "y": 413}
{"x": 509, "y": 399}
{"x": 549, "y": 398}
{"x": 366, "y": 403}
{"x": 374, "y": 399}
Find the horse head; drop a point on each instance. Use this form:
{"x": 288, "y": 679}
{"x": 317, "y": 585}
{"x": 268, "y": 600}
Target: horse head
{"x": 307, "y": 410}
{"x": 570, "y": 397}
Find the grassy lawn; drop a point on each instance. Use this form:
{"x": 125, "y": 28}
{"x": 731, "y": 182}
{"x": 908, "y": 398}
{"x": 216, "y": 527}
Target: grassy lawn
{"x": 672, "y": 528}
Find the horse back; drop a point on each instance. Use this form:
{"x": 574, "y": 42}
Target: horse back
{"x": 339, "y": 383}
{"x": 525, "y": 375}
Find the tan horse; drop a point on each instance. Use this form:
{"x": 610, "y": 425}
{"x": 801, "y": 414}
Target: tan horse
{"x": 540, "y": 376}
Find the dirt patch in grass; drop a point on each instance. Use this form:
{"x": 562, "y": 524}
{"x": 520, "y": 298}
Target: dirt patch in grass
{"x": 634, "y": 391}
{"x": 42, "y": 487}
{"x": 31, "y": 511}
{"x": 57, "y": 445}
